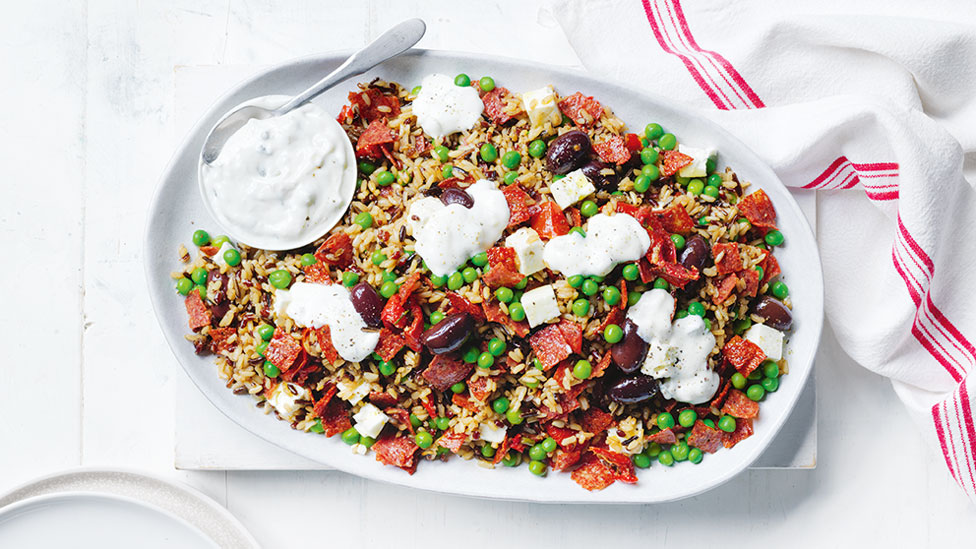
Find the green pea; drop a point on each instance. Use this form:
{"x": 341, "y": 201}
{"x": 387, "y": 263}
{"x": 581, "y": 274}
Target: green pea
{"x": 756, "y": 392}
{"x": 510, "y": 177}
{"x": 537, "y": 468}
{"x": 687, "y": 418}
{"x": 488, "y": 152}
{"x": 661, "y": 284}
{"x": 709, "y": 422}
{"x": 631, "y": 272}
{"x": 590, "y": 287}
{"x": 780, "y": 289}
{"x": 184, "y": 285}
{"x": 496, "y": 346}
{"x": 470, "y": 274}
{"x": 714, "y": 180}
{"x": 511, "y": 159}
{"x": 680, "y": 314}
{"x": 679, "y": 451}
{"x": 440, "y": 153}
{"x": 632, "y": 298}
{"x": 642, "y": 183}
{"x": 549, "y": 444}
{"x": 771, "y": 384}
{"x": 582, "y": 369}
{"x": 388, "y": 289}
{"x": 384, "y": 178}
{"x": 613, "y": 334}
{"x": 726, "y": 423}
{"x": 537, "y": 364}
{"x": 667, "y": 141}
{"x": 575, "y": 281}
{"x": 486, "y": 360}
{"x": 648, "y": 155}
{"x": 471, "y": 354}
{"x": 350, "y": 279}
{"x": 611, "y": 295}
{"x": 415, "y": 90}
{"x": 710, "y": 165}
{"x": 219, "y": 240}
{"x": 488, "y": 451}
{"x": 711, "y": 191}
{"x": 597, "y": 278}
{"x": 774, "y": 238}
{"x": 486, "y": 83}
{"x": 653, "y": 449}
{"x": 755, "y": 375}
{"x": 581, "y": 307}
{"x": 513, "y": 416}
{"x": 512, "y": 459}
{"x": 696, "y": 308}
{"x": 641, "y": 461}
{"x": 386, "y": 367}
{"x": 280, "y": 279}
{"x": 695, "y": 455}
{"x": 653, "y": 131}
{"x": 738, "y": 380}
{"x": 760, "y": 271}
{"x": 270, "y": 369}
{"x": 307, "y": 259}
{"x": 516, "y": 312}
{"x": 317, "y": 427}
{"x": 364, "y": 220}
{"x": 366, "y": 167}
{"x": 695, "y": 187}
{"x": 423, "y": 439}
{"x": 537, "y": 148}
{"x": 415, "y": 421}
{"x": 437, "y": 281}
{"x": 447, "y": 171}
{"x": 499, "y": 405}
{"x": 462, "y": 80}
{"x": 665, "y": 420}
{"x": 678, "y": 240}
{"x": 522, "y": 283}
{"x": 266, "y": 332}
{"x": 199, "y": 275}
{"x": 350, "y": 436}
{"x": 378, "y": 257}
{"x": 589, "y": 208}
{"x": 458, "y": 387}
{"x": 504, "y": 295}
{"x": 537, "y": 453}
{"x": 703, "y": 220}
{"x": 442, "y": 423}
{"x": 741, "y": 325}
{"x": 665, "y": 458}
{"x": 367, "y": 441}
{"x": 201, "y": 237}
{"x": 388, "y": 276}
{"x": 770, "y": 369}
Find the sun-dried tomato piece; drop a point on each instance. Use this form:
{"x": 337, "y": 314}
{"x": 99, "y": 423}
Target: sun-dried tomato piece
{"x": 300, "y": 369}
{"x": 452, "y": 440}
{"x": 394, "y": 314}
{"x": 593, "y": 474}
{"x": 495, "y": 106}
{"x": 414, "y": 331}
{"x": 503, "y": 269}
{"x": 502, "y": 449}
{"x": 549, "y": 221}
{"x": 564, "y": 459}
{"x": 221, "y": 339}
{"x": 672, "y": 161}
{"x": 744, "y": 355}
{"x": 738, "y": 405}
{"x": 396, "y": 450}
{"x": 372, "y": 103}
{"x": 382, "y": 399}
{"x": 620, "y": 464}
{"x": 518, "y": 204}
{"x": 462, "y": 400}
{"x": 759, "y": 210}
{"x": 324, "y": 337}
{"x": 400, "y": 417}
{"x": 389, "y": 344}
{"x": 494, "y": 313}
{"x": 595, "y": 420}
{"x": 317, "y": 273}
{"x": 560, "y": 434}
{"x": 445, "y": 371}
{"x": 335, "y": 418}
{"x": 629, "y": 209}
{"x": 634, "y": 142}
{"x": 770, "y": 268}
{"x": 346, "y": 115}
{"x": 725, "y": 288}
{"x": 726, "y": 256}
{"x": 460, "y": 304}
{"x": 328, "y": 391}
{"x": 479, "y": 386}
{"x": 582, "y": 110}
{"x": 375, "y": 140}
{"x": 675, "y": 219}
{"x": 751, "y": 276}
{"x": 676, "y": 275}
{"x": 664, "y": 436}
{"x": 573, "y": 334}
{"x": 550, "y": 346}
{"x": 615, "y": 316}
{"x": 705, "y": 438}
{"x": 601, "y": 366}
{"x": 743, "y": 430}
{"x": 613, "y": 151}
{"x": 197, "y": 311}
{"x": 336, "y": 251}
{"x": 409, "y": 286}
{"x": 719, "y": 397}
{"x": 282, "y": 350}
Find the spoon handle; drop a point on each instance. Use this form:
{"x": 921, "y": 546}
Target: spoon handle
{"x": 390, "y": 44}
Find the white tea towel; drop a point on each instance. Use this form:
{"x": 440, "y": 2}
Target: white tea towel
{"x": 872, "y": 101}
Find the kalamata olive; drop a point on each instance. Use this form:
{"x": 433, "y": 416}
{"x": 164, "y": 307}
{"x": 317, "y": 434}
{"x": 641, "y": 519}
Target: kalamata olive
{"x": 368, "y": 304}
{"x": 219, "y": 309}
{"x": 457, "y": 196}
{"x": 635, "y": 388}
{"x": 568, "y": 152}
{"x": 629, "y": 352}
{"x": 696, "y": 253}
{"x": 774, "y": 312}
{"x": 449, "y": 334}
{"x": 604, "y": 182}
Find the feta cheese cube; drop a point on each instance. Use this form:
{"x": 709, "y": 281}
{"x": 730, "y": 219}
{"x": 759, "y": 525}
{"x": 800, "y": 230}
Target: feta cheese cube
{"x": 285, "y": 396}
{"x": 541, "y": 106}
{"x": 540, "y": 305}
{"x": 660, "y": 360}
{"x": 491, "y": 433}
{"x": 699, "y": 161}
{"x": 770, "y": 340}
{"x": 352, "y": 393}
{"x": 571, "y": 189}
{"x": 370, "y": 420}
{"x": 528, "y": 250}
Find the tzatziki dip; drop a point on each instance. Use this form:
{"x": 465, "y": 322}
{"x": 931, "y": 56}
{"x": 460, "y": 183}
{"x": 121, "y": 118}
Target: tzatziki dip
{"x": 281, "y": 182}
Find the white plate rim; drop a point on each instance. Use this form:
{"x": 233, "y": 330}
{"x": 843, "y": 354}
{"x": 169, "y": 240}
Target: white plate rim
{"x": 768, "y": 179}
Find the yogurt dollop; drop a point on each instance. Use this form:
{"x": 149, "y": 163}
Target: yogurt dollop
{"x": 443, "y": 108}
{"x": 447, "y": 236}
{"x": 677, "y": 352}
{"x": 283, "y": 181}
{"x": 317, "y": 305}
{"x": 609, "y": 241}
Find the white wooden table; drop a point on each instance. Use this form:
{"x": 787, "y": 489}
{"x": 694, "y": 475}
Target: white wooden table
{"x": 87, "y": 379}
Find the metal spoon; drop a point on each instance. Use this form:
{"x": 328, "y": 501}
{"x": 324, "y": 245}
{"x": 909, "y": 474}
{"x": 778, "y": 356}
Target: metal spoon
{"x": 389, "y": 45}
